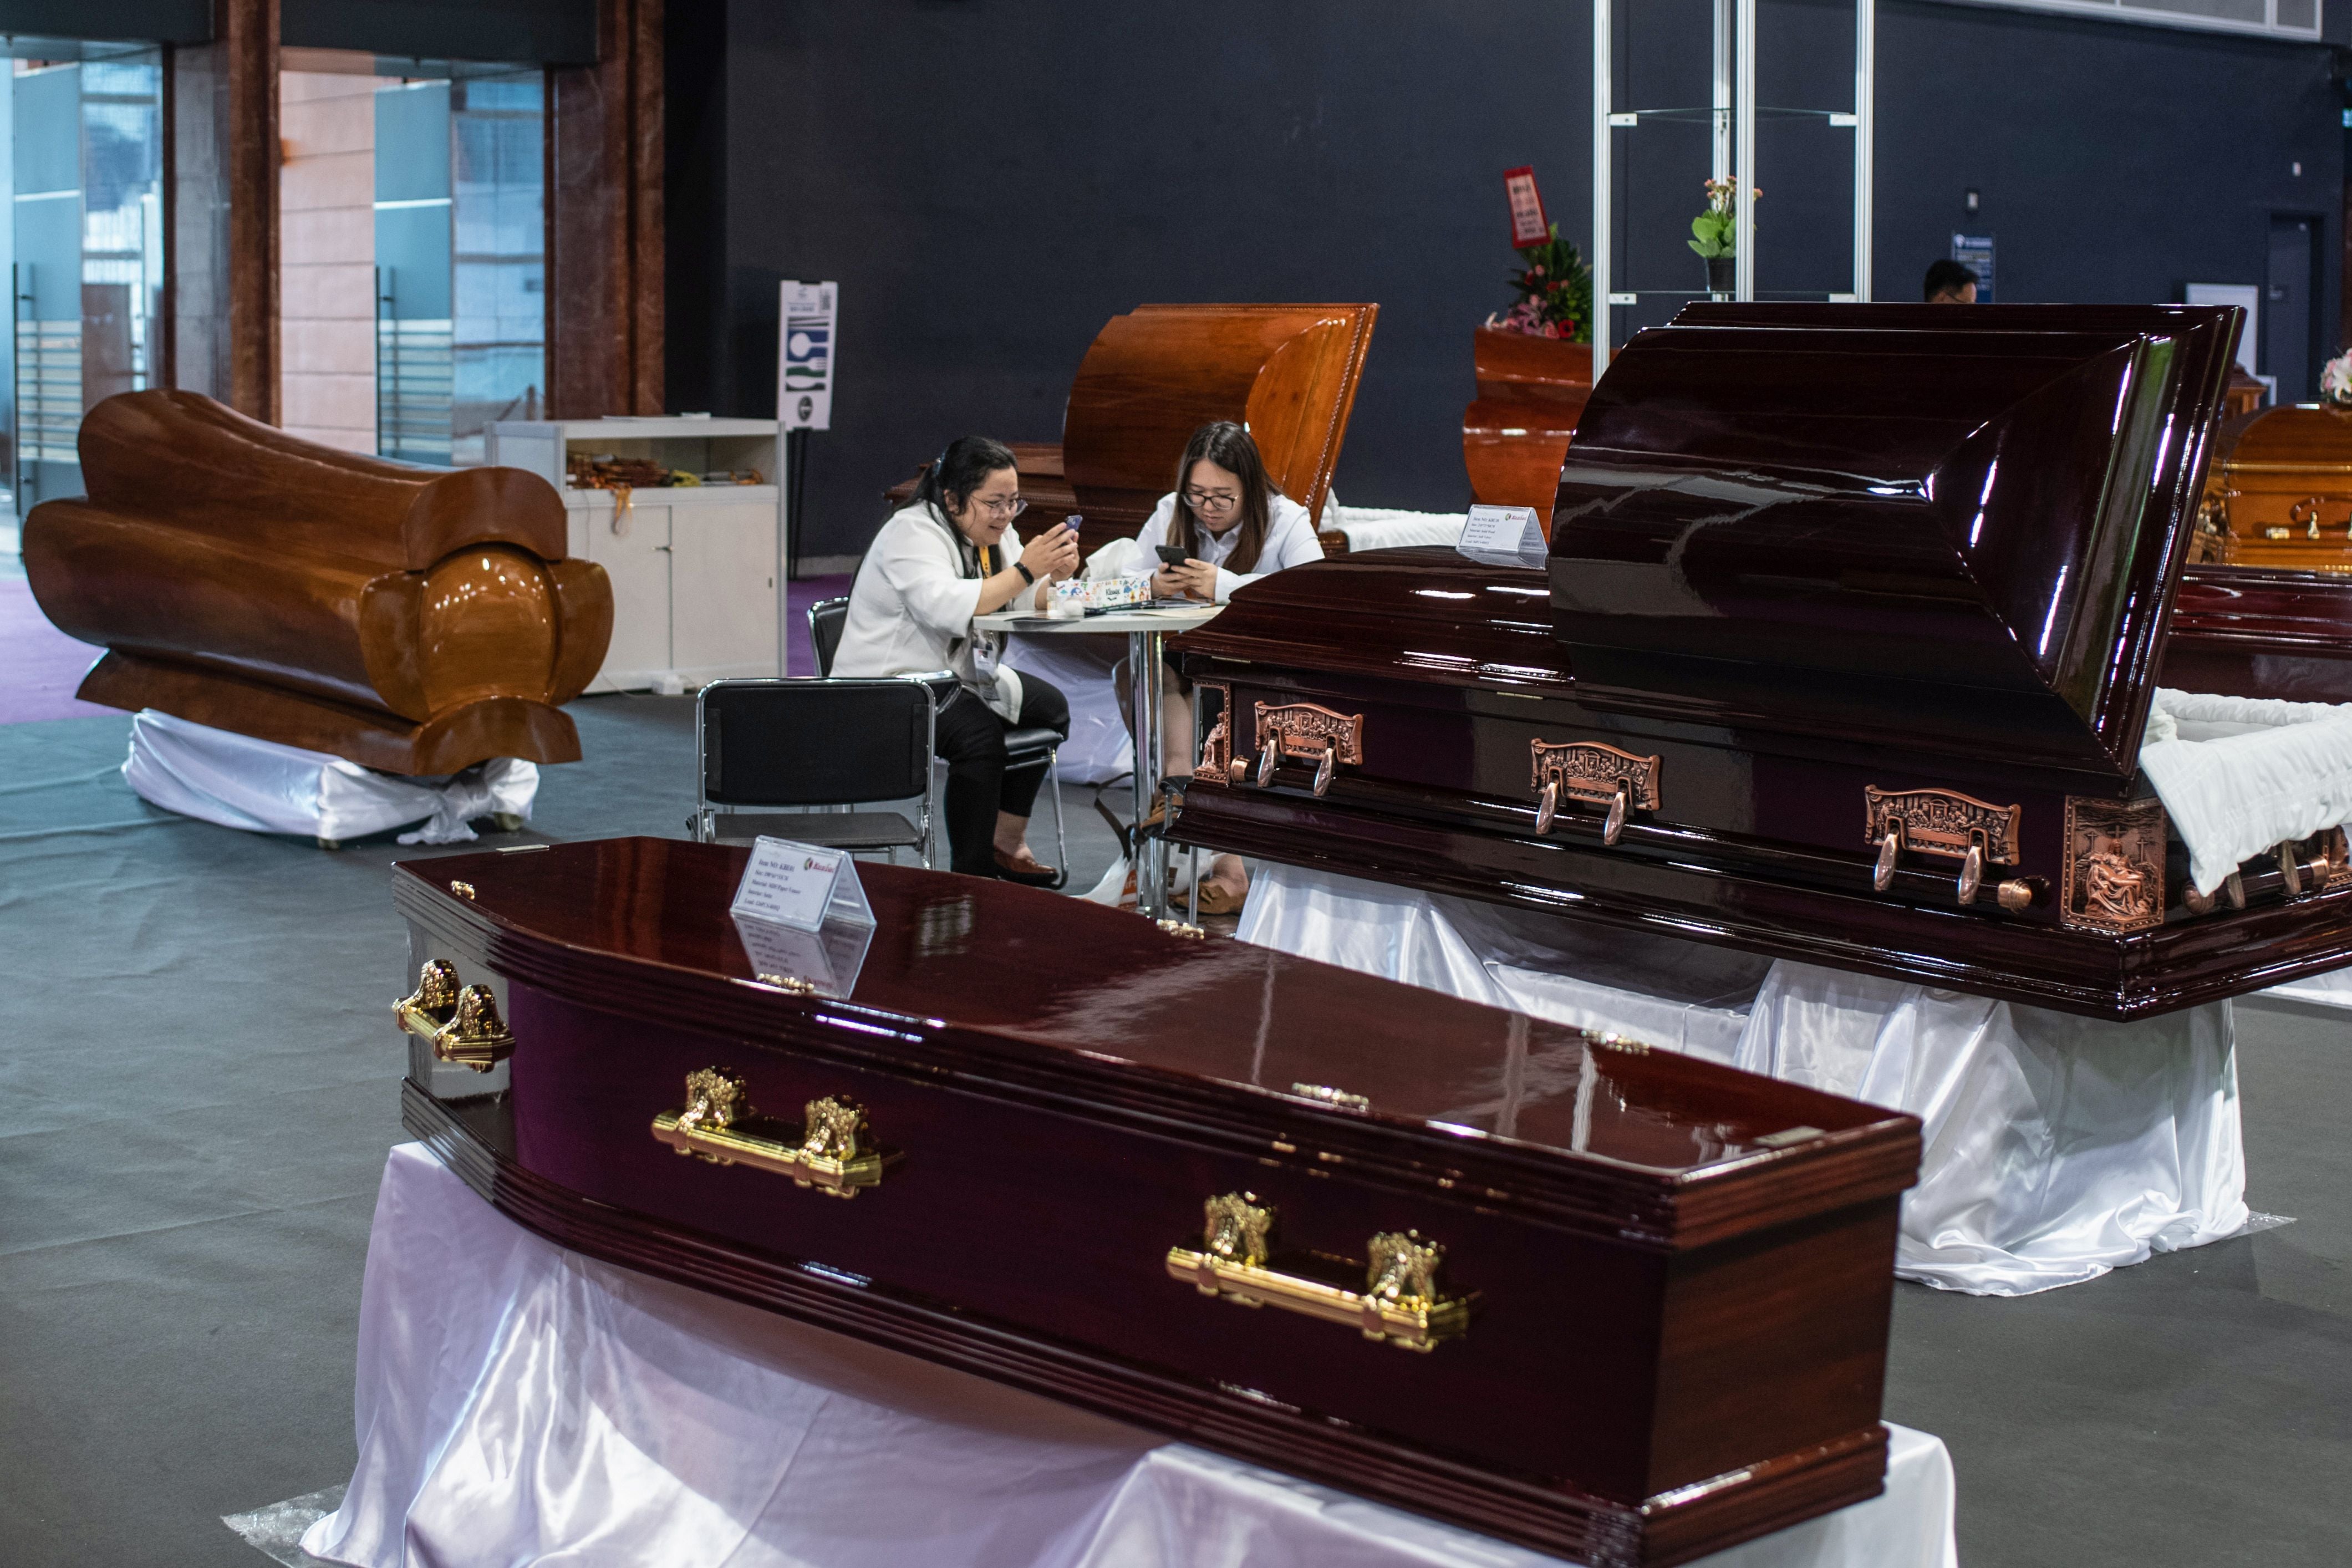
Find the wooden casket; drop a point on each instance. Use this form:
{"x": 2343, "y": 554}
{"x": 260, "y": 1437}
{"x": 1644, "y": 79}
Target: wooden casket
{"x": 2278, "y": 492}
{"x": 1608, "y": 1302}
{"x": 1514, "y": 436}
{"x": 410, "y": 619}
{"x": 1844, "y": 653}
{"x": 1153, "y": 376}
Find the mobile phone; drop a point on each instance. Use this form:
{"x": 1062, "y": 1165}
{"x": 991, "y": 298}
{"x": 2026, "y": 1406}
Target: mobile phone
{"x": 1172, "y": 554}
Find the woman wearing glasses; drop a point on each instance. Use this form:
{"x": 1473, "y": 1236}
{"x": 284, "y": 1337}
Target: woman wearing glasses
{"x": 948, "y": 555}
{"x": 1233, "y": 525}
{"x": 1235, "y": 528}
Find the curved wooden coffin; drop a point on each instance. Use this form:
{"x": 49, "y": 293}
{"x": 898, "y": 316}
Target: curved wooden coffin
{"x": 1850, "y": 631}
{"x": 1650, "y": 1314}
{"x": 1160, "y": 373}
{"x": 2280, "y": 492}
{"x": 1514, "y": 436}
{"x": 410, "y": 619}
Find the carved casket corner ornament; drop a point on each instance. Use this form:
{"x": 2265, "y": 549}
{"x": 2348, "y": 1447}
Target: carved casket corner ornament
{"x": 1308, "y": 730}
{"x": 2114, "y": 879}
{"x": 1942, "y": 822}
{"x": 1217, "y": 745}
{"x": 1594, "y": 773}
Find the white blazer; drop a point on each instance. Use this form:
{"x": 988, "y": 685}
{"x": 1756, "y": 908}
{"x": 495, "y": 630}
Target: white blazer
{"x": 911, "y": 606}
{"x": 1289, "y": 542}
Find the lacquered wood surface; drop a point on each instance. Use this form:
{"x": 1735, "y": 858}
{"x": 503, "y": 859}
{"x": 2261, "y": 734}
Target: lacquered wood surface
{"x": 2258, "y": 632}
{"x": 1514, "y": 436}
{"x": 1154, "y": 376}
{"x": 1796, "y": 515}
{"x": 416, "y": 620}
{"x": 1662, "y": 1304}
{"x": 2281, "y": 489}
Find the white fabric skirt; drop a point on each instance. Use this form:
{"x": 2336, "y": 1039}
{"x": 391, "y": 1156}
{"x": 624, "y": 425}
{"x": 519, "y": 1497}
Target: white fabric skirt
{"x": 518, "y": 1403}
{"x": 2057, "y": 1148}
{"x": 237, "y": 781}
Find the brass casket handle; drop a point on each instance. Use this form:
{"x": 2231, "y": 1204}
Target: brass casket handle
{"x": 461, "y": 1023}
{"x": 718, "y": 1124}
{"x": 1394, "y": 1297}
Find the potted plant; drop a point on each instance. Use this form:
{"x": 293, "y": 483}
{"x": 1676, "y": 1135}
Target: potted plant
{"x": 1555, "y": 293}
{"x": 1715, "y": 235}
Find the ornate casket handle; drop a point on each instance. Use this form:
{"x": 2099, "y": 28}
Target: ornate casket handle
{"x": 1945, "y": 823}
{"x": 719, "y": 1124}
{"x": 1398, "y": 1301}
{"x": 461, "y": 1024}
{"x": 1596, "y": 775}
{"x": 1308, "y": 730}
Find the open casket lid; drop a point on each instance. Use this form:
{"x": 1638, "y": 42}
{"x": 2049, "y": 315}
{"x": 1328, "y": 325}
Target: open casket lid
{"x": 1954, "y": 529}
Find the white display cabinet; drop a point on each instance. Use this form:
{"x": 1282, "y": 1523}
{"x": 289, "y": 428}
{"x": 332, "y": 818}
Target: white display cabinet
{"x": 698, "y": 571}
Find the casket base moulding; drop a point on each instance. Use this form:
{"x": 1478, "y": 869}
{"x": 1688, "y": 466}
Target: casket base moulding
{"x": 1660, "y": 1323}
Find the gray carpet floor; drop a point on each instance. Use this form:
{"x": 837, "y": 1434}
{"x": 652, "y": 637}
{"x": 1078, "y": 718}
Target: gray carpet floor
{"x": 198, "y": 1084}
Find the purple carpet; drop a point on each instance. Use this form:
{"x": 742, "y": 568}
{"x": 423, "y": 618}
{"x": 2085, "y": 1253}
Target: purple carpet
{"x": 801, "y": 658}
{"x": 39, "y": 665}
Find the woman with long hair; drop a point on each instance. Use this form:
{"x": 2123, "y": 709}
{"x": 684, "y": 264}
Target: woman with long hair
{"x": 1233, "y": 527}
{"x": 951, "y": 553}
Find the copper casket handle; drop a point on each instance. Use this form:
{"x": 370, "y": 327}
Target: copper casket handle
{"x": 1394, "y": 1297}
{"x": 1945, "y": 823}
{"x": 460, "y": 1023}
{"x": 718, "y": 1124}
{"x": 1308, "y": 730}
{"x": 1596, "y": 775}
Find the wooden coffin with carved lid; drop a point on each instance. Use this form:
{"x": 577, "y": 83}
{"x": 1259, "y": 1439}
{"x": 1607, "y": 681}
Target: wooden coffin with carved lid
{"x": 1844, "y": 652}
{"x": 1619, "y": 1304}
{"x": 412, "y": 619}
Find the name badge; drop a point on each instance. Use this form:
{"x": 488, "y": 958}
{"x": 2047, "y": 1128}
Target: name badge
{"x": 799, "y": 886}
{"x": 985, "y": 658}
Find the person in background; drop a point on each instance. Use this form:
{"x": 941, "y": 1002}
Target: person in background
{"x": 1949, "y": 283}
{"x": 948, "y": 555}
{"x": 1235, "y": 527}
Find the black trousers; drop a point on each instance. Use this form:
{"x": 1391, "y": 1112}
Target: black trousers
{"x": 971, "y": 738}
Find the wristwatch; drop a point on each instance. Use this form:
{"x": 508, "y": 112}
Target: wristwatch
{"x": 1026, "y": 575}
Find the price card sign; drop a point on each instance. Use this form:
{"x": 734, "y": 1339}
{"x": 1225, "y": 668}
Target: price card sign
{"x": 828, "y": 959}
{"x": 799, "y": 886}
{"x": 804, "y": 356}
{"x": 1504, "y": 536}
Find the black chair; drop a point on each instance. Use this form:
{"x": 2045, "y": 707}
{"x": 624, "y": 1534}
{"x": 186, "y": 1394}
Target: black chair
{"x": 1030, "y": 747}
{"x": 789, "y": 757}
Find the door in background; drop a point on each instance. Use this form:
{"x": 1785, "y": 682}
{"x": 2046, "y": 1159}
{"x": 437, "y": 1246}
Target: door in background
{"x": 2291, "y": 300}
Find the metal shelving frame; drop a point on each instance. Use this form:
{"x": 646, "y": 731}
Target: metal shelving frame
{"x": 1733, "y": 115}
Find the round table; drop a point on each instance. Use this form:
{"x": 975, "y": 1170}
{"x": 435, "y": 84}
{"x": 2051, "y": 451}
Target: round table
{"x": 1146, "y": 631}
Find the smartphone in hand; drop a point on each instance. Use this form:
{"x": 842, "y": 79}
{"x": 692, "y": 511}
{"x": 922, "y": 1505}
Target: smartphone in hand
{"x": 1171, "y": 555}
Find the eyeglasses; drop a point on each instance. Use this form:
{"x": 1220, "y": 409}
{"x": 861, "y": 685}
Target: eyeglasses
{"x": 1013, "y": 508}
{"x": 1212, "y": 501}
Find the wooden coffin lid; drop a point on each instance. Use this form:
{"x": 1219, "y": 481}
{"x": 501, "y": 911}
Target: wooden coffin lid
{"x": 1160, "y": 372}
{"x": 2303, "y": 440}
{"x": 1961, "y": 527}
{"x": 1009, "y": 990}
{"x": 181, "y": 458}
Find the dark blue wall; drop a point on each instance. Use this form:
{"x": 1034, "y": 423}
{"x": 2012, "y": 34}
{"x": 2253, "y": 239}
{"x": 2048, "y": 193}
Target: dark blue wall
{"x": 990, "y": 180}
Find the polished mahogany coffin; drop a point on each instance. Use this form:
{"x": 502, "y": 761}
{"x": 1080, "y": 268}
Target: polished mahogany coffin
{"x": 1609, "y": 1301}
{"x": 2278, "y": 492}
{"x": 1156, "y": 374}
{"x": 411, "y": 619}
{"x": 1845, "y": 648}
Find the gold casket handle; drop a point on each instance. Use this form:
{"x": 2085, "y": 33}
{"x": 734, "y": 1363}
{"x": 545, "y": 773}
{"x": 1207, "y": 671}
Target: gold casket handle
{"x": 461, "y": 1023}
{"x": 718, "y": 1124}
{"x": 1399, "y": 1300}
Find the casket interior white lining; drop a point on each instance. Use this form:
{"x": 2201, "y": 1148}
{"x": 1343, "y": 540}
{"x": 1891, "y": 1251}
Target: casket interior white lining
{"x": 2239, "y": 774}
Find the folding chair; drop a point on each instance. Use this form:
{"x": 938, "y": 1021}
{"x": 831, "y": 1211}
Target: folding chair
{"x": 790, "y": 757}
{"x": 1026, "y": 747}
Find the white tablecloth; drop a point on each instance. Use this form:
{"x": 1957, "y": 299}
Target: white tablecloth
{"x": 519, "y": 1403}
{"x": 2057, "y": 1148}
{"x": 260, "y": 787}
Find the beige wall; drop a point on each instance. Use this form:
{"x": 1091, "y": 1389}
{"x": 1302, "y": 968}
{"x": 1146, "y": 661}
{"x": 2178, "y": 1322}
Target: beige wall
{"x": 326, "y": 188}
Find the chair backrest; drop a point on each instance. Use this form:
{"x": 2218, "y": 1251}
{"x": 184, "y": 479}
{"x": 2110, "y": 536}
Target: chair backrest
{"x": 826, "y": 618}
{"x": 813, "y": 743}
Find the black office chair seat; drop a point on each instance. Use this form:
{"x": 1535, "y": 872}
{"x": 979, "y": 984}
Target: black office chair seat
{"x": 852, "y": 830}
{"x": 1029, "y": 744}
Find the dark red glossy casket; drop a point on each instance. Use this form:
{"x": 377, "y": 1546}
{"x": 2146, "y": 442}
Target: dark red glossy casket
{"x": 1845, "y": 647}
{"x": 1616, "y": 1303}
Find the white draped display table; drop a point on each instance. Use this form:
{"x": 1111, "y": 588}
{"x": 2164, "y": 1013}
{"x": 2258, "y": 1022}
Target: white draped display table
{"x": 261, "y": 787}
{"x": 2056, "y": 1148}
{"x": 519, "y": 1403}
